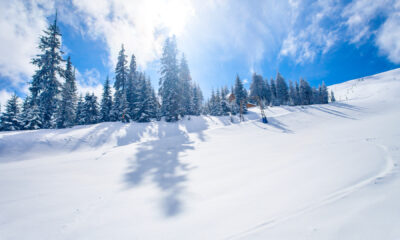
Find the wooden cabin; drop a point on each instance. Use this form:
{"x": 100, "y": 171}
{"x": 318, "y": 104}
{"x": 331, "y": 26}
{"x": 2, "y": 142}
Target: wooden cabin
{"x": 231, "y": 97}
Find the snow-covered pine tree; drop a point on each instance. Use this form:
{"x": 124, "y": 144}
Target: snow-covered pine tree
{"x": 45, "y": 87}
{"x": 240, "y": 94}
{"x": 224, "y": 101}
{"x": 274, "y": 100}
{"x": 281, "y": 90}
{"x": 153, "y": 105}
{"x": 185, "y": 79}
{"x": 333, "y": 99}
{"x": 297, "y": 94}
{"x": 306, "y": 94}
{"x": 32, "y": 120}
{"x": 197, "y": 99}
{"x": 90, "y": 110}
{"x": 315, "y": 96}
{"x": 292, "y": 94}
{"x": 30, "y": 115}
{"x": 120, "y": 110}
{"x": 10, "y": 119}
{"x": 79, "y": 115}
{"x": 133, "y": 94}
{"x": 67, "y": 104}
{"x": 148, "y": 105}
{"x": 24, "y": 111}
{"x": 324, "y": 94}
{"x": 169, "y": 82}
{"x": 267, "y": 92}
{"x": 106, "y": 102}
{"x": 218, "y": 104}
{"x": 257, "y": 89}
{"x": 211, "y": 103}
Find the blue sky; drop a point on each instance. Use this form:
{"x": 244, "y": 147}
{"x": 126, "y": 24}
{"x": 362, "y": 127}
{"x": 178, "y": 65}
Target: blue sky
{"x": 329, "y": 40}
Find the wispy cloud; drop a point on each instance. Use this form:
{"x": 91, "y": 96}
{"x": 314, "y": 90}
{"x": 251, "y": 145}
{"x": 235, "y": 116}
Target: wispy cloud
{"x": 20, "y": 24}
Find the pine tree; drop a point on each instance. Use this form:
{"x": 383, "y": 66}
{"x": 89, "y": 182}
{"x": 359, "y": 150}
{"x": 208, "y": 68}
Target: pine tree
{"x": 333, "y": 99}
{"x": 45, "y": 87}
{"x": 240, "y": 94}
{"x": 26, "y": 105}
{"x": 315, "y": 96}
{"x": 281, "y": 90}
{"x": 224, "y": 101}
{"x": 30, "y": 115}
{"x": 324, "y": 94}
{"x": 153, "y": 104}
{"x": 10, "y": 119}
{"x": 120, "y": 108}
{"x": 218, "y": 104}
{"x": 79, "y": 117}
{"x": 267, "y": 92}
{"x": 31, "y": 120}
{"x": 257, "y": 89}
{"x": 292, "y": 94}
{"x": 297, "y": 94}
{"x": 90, "y": 110}
{"x": 198, "y": 100}
{"x": 215, "y": 108}
{"x": 185, "y": 79}
{"x": 148, "y": 106}
{"x": 274, "y": 100}
{"x": 67, "y": 104}
{"x": 106, "y": 102}
{"x": 169, "y": 82}
{"x": 133, "y": 94}
{"x": 306, "y": 95}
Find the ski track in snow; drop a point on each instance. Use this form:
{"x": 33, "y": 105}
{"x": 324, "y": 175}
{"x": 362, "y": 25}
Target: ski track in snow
{"x": 389, "y": 170}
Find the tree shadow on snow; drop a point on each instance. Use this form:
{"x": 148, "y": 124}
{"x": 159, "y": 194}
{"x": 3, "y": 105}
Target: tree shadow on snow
{"x": 273, "y": 122}
{"x": 160, "y": 161}
{"x": 346, "y": 106}
{"x": 327, "y": 110}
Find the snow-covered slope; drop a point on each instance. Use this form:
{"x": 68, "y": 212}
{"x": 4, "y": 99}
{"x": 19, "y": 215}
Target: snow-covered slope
{"x": 315, "y": 172}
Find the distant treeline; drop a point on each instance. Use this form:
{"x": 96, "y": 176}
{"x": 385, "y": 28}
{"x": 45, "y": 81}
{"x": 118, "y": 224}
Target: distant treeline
{"x": 274, "y": 92}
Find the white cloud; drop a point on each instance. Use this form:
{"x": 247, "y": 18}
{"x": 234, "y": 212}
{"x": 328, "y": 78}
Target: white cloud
{"x": 140, "y": 25}
{"x": 304, "y": 43}
{"x": 358, "y": 15}
{"x": 388, "y": 38}
{"x": 4, "y": 97}
{"x": 89, "y": 82}
{"x": 20, "y": 24}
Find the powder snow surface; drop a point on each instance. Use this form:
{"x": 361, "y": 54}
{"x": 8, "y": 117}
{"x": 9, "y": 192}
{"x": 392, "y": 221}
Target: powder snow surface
{"x": 314, "y": 172}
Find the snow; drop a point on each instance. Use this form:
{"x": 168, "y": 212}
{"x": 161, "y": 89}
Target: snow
{"x": 314, "y": 172}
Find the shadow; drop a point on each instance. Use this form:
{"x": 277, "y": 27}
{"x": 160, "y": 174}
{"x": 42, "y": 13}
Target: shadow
{"x": 346, "y": 106}
{"x": 122, "y": 133}
{"x": 331, "y": 111}
{"x": 279, "y": 125}
{"x": 273, "y": 122}
{"x": 159, "y": 160}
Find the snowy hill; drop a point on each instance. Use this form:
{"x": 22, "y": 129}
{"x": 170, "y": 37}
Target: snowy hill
{"x": 314, "y": 172}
